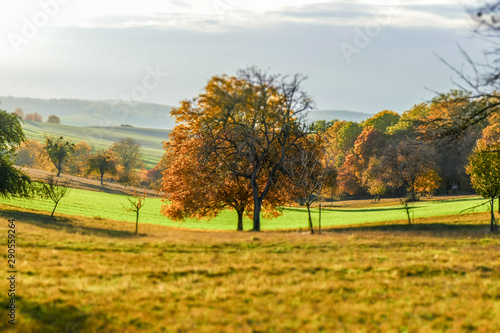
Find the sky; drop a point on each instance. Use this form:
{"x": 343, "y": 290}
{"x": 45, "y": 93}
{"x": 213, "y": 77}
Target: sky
{"x": 364, "y": 56}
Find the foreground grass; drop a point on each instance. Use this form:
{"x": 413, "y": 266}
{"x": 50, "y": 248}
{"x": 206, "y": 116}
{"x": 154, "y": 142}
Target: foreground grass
{"x": 90, "y": 275}
{"x": 110, "y": 206}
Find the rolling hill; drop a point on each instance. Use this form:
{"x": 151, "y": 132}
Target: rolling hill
{"x": 115, "y": 113}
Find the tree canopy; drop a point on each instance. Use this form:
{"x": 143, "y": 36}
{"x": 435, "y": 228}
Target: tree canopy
{"x": 13, "y": 182}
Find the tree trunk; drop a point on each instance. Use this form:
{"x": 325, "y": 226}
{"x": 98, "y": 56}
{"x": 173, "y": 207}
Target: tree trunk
{"x": 59, "y": 172}
{"x": 240, "y": 219}
{"x": 53, "y": 211}
{"x": 257, "y": 203}
{"x": 136, "y": 222}
{"x": 493, "y": 224}
{"x": 310, "y": 219}
{"x": 257, "y": 206}
{"x": 102, "y": 175}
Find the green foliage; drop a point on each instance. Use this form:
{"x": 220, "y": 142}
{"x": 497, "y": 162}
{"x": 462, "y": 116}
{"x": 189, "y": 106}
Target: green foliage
{"x": 13, "y": 182}
{"x": 382, "y": 120}
{"x": 320, "y": 126}
{"x": 484, "y": 170}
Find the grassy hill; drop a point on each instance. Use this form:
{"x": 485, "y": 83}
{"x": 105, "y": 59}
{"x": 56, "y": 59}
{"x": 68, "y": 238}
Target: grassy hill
{"x": 103, "y": 137}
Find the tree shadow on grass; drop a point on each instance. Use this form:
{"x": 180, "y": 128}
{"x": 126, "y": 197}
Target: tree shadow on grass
{"x": 443, "y": 230}
{"x": 62, "y": 223}
{"x": 58, "y": 316}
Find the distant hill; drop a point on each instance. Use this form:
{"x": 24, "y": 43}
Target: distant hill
{"x": 338, "y": 114}
{"x": 94, "y": 113}
{"x": 78, "y": 112}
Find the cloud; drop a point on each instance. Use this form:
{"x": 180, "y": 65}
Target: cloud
{"x": 333, "y": 13}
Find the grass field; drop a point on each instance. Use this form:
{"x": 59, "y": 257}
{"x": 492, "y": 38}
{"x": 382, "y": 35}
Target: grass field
{"x": 93, "y": 275}
{"x": 110, "y": 206}
{"x": 103, "y": 137}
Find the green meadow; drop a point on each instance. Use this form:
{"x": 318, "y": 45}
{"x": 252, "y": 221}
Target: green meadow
{"x": 110, "y": 206}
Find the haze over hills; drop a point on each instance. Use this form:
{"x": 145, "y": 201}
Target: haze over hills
{"x": 115, "y": 113}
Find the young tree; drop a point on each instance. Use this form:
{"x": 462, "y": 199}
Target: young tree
{"x": 59, "y": 151}
{"x": 102, "y": 162}
{"x": 129, "y": 158}
{"x": 484, "y": 170}
{"x": 13, "y": 182}
{"x": 250, "y": 124}
{"x": 135, "y": 203}
{"x": 310, "y": 171}
{"x": 53, "y": 190}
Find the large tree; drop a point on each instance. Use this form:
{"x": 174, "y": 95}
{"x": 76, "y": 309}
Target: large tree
{"x": 59, "y": 150}
{"x": 250, "y": 123}
{"x": 13, "y": 182}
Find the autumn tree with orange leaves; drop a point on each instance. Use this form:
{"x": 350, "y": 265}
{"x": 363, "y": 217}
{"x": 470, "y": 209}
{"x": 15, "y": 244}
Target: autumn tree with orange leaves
{"x": 246, "y": 128}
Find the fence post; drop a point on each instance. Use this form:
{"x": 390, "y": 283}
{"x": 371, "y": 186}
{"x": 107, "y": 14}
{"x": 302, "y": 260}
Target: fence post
{"x": 320, "y": 219}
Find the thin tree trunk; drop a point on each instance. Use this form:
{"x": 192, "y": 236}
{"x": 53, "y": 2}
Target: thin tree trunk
{"x": 408, "y": 214}
{"x": 53, "y": 211}
{"x": 240, "y": 219}
{"x": 102, "y": 175}
{"x": 319, "y": 219}
{"x": 310, "y": 219}
{"x": 136, "y": 222}
{"x": 59, "y": 172}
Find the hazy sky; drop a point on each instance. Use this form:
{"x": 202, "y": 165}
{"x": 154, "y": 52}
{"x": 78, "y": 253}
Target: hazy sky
{"x": 358, "y": 55}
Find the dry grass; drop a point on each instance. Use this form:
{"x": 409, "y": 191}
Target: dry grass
{"x": 89, "y": 275}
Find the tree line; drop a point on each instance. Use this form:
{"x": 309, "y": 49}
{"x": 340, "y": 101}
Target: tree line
{"x": 247, "y": 140}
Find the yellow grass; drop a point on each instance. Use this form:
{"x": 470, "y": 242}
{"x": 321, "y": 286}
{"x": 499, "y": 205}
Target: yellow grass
{"x": 89, "y": 275}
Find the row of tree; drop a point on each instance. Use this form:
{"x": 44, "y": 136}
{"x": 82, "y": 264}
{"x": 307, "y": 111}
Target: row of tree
{"x": 37, "y": 117}
{"x": 120, "y": 162}
{"x": 246, "y": 141}
{"x": 390, "y": 154}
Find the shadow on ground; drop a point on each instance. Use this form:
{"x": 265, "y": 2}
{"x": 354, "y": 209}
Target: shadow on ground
{"x": 427, "y": 229}
{"x": 64, "y": 224}
{"x": 56, "y": 316}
